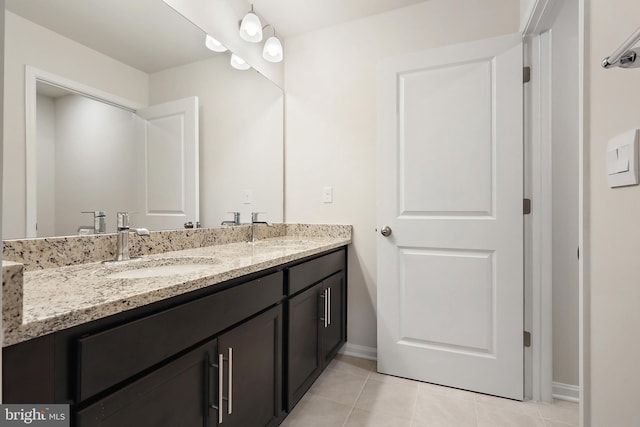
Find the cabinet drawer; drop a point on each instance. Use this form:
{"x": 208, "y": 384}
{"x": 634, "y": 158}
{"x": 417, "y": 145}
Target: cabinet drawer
{"x": 304, "y": 275}
{"x": 174, "y": 395}
{"x": 109, "y": 357}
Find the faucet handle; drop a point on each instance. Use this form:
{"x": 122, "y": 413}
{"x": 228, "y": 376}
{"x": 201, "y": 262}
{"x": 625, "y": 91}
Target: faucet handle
{"x": 96, "y": 214}
{"x": 236, "y": 217}
{"x": 122, "y": 220}
{"x": 254, "y": 216}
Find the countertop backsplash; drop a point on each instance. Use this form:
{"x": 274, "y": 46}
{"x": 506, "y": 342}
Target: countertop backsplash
{"x": 52, "y": 252}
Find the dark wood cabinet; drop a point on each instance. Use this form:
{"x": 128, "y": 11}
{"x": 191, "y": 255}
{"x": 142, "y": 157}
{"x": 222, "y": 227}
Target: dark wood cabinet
{"x": 243, "y": 352}
{"x": 252, "y": 380}
{"x": 316, "y": 328}
{"x": 334, "y": 330}
{"x": 244, "y": 364}
{"x": 175, "y": 395}
{"x": 304, "y": 362}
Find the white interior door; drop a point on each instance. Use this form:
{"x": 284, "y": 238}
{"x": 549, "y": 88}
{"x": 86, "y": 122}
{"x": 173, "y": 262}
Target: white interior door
{"x": 450, "y": 187}
{"x": 168, "y": 196}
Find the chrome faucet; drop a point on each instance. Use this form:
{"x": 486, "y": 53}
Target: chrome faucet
{"x": 99, "y": 223}
{"x": 236, "y": 219}
{"x": 254, "y": 221}
{"x": 122, "y": 252}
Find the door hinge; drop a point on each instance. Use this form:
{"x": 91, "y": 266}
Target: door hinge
{"x": 527, "y": 339}
{"x": 526, "y": 74}
{"x": 526, "y": 206}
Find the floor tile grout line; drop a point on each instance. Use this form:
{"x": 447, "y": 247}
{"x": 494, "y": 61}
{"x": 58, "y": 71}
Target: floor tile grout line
{"x": 475, "y": 407}
{"x": 353, "y": 406}
{"x": 415, "y": 404}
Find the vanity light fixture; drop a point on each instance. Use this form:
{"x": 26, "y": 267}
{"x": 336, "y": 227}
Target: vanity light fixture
{"x": 251, "y": 27}
{"x": 214, "y": 44}
{"x": 238, "y": 63}
{"x": 272, "y": 50}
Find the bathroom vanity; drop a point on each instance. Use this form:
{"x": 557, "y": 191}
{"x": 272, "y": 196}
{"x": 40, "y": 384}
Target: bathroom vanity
{"x": 235, "y": 339}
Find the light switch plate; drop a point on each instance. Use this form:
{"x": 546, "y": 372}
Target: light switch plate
{"x": 622, "y": 159}
{"x": 247, "y": 197}
{"x": 327, "y": 195}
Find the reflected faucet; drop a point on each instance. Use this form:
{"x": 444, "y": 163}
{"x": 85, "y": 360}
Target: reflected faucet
{"x": 122, "y": 252}
{"x": 236, "y": 219}
{"x": 254, "y": 221}
{"x": 99, "y": 223}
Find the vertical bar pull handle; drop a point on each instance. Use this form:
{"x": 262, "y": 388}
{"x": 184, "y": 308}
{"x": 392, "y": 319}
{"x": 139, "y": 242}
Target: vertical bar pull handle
{"x": 326, "y": 310}
{"x": 220, "y": 381}
{"x": 230, "y": 405}
{"x": 329, "y": 304}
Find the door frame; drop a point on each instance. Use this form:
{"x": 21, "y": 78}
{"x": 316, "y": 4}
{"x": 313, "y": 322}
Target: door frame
{"x": 537, "y": 39}
{"x": 32, "y": 76}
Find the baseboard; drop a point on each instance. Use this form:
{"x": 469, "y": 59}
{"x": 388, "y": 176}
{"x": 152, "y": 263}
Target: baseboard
{"x": 567, "y": 392}
{"x": 361, "y": 351}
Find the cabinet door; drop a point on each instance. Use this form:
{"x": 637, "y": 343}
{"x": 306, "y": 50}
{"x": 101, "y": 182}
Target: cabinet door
{"x": 304, "y": 363}
{"x": 334, "y": 328}
{"x": 177, "y": 394}
{"x": 252, "y": 385}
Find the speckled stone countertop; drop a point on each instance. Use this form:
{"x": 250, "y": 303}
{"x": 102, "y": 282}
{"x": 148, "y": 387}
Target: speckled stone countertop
{"x": 40, "y": 301}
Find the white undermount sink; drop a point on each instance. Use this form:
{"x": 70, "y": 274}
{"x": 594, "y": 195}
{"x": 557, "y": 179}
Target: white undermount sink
{"x": 158, "y": 267}
{"x": 164, "y": 270}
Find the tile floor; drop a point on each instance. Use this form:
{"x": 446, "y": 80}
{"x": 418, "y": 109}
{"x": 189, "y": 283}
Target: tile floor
{"x": 350, "y": 393}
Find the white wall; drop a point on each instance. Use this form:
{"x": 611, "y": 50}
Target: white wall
{"x": 30, "y": 44}
{"x": 95, "y": 154}
{"x": 330, "y": 129}
{"x": 565, "y": 128}
{"x": 46, "y": 170}
{"x": 241, "y": 137}
{"x": 613, "y": 226}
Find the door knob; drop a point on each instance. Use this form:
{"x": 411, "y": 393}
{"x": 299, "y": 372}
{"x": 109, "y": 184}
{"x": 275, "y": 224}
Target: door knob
{"x": 386, "y": 231}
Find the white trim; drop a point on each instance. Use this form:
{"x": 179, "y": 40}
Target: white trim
{"x": 568, "y": 392}
{"x": 538, "y": 113}
{"x": 584, "y": 300}
{"x": 361, "y": 351}
{"x": 32, "y": 76}
{"x": 541, "y": 17}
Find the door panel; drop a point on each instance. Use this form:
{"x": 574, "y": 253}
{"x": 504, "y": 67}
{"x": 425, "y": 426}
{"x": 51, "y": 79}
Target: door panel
{"x": 464, "y": 291}
{"x": 334, "y": 333}
{"x": 254, "y": 360}
{"x": 169, "y": 178}
{"x": 304, "y": 363}
{"x": 173, "y": 395}
{"x": 450, "y": 179}
{"x": 433, "y": 149}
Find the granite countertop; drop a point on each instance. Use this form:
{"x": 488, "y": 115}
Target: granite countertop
{"x": 58, "y": 298}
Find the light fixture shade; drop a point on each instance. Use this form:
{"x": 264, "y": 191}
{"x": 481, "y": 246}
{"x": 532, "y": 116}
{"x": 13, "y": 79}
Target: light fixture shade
{"x": 214, "y": 44}
{"x": 251, "y": 28}
{"x": 238, "y": 63}
{"x": 272, "y": 51}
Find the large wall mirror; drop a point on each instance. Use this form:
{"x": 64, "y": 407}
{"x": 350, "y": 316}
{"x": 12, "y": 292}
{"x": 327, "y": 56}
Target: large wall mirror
{"x": 88, "y": 85}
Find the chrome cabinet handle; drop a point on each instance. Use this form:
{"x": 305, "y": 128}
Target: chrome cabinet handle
{"x": 386, "y": 231}
{"x": 230, "y": 400}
